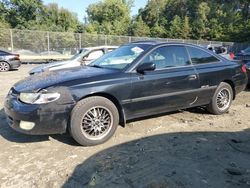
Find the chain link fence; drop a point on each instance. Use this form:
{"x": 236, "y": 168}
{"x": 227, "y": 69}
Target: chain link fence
{"x": 42, "y": 43}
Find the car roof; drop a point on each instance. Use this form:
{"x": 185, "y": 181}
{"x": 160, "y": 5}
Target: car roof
{"x": 157, "y": 43}
{"x": 153, "y": 42}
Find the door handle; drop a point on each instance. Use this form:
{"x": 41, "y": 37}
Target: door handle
{"x": 192, "y": 77}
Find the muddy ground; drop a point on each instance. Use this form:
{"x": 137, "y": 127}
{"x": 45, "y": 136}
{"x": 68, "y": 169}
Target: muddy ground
{"x": 189, "y": 148}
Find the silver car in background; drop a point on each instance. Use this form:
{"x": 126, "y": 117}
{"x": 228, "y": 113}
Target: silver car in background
{"x": 83, "y": 57}
{"x": 9, "y": 61}
{"x": 221, "y": 50}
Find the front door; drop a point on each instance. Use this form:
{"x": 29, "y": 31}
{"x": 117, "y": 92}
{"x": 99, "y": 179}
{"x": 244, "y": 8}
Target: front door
{"x": 173, "y": 85}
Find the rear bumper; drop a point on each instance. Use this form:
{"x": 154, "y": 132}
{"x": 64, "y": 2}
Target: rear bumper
{"x": 248, "y": 72}
{"x": 15, "y": 64}
{"x": 241, "y": 84}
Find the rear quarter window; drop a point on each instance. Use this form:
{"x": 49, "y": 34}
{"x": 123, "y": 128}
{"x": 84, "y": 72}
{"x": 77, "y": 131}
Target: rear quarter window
{"x": 199, "y": 56}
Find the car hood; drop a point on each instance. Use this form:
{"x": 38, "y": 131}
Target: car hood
{"x": 42, "y": 68}
{"x": 47, "y": 79}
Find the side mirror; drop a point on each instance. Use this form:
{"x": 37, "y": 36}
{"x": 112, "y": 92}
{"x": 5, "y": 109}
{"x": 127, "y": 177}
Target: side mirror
{"x": 146, "y": 67}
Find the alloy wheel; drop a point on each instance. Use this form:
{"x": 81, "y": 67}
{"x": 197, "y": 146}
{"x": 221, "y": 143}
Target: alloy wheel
{"x": 223, "y": 99}
{"x": 97, "y": 122}
{"x": 4, "y": 66}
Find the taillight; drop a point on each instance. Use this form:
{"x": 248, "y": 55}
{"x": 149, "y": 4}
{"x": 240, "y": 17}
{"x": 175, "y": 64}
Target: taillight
{"x": 17, "y": 57}
{"x": 244, "y": 68}
{"x": 232, "y": 56}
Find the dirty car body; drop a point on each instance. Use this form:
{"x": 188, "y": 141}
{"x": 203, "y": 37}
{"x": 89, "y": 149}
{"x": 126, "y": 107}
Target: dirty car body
{"x": 136, "y": 92}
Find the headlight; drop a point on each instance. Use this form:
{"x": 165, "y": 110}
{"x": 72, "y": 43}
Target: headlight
{"x": 38, "y": 98}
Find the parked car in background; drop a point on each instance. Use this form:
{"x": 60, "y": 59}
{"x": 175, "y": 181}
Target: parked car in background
{"x": 26, "y": 52}
{"x": 83, "y": 57}
{"x": 221, "y": 50}
{"x": 244, "y": 56}
{"x": 9, "y": 61}
{"x": 218, "y": 49}
{"x": 136, "y": 80}
{"x": 50, "y": 53}
{"x": 248, "y": 72}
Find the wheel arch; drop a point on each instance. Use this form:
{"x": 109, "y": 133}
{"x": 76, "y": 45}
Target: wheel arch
{"x": 231, "y": 83}
{"x": 122, "y": 118}
{"x": 5, "y": 62}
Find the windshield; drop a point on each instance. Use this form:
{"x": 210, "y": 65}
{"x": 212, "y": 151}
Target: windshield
{"x": 121, "y": 57}
{"x": 81, "y": 53}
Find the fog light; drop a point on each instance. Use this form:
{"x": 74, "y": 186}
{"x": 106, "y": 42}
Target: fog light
{"x": 27, "y": 125}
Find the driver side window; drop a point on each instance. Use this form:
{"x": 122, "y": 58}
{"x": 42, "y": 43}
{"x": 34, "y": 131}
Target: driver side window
{"x": 168, "y": 56}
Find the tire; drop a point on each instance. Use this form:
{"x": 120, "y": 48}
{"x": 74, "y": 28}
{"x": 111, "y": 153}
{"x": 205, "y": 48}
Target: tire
{"x": 94, "y": 120}
{"x": 4, "y": 66}
{"x": 221, "y": 100}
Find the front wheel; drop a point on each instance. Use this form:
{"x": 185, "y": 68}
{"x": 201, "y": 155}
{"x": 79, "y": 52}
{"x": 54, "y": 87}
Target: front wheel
{"x": 93, "y": 121}
{"x": 4, "y": 66}
{"x": 221, "y": 100}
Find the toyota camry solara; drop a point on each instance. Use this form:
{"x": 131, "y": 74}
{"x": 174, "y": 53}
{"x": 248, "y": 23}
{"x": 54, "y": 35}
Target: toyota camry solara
{"x": 136, "y": 80}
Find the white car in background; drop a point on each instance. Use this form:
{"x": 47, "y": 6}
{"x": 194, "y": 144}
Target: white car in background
{"x": 221, "y": 50}
{"x": 83, "y": 57}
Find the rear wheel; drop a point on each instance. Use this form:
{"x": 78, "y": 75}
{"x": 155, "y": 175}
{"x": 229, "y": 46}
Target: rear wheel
{"x": 4, "y": 66}
{"x": 94, "y": 120}
{"x": 221, "y": 100}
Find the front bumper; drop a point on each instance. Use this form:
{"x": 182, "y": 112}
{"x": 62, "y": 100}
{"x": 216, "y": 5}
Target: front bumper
{"x": 49, "y": 118}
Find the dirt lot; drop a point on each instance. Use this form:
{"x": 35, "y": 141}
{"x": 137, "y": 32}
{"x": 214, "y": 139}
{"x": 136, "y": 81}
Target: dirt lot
{"x": 190, "y": 148}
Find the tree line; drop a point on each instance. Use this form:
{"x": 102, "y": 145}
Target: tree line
{"x": 34, "y": 15}
{"x": 223, "y": 20}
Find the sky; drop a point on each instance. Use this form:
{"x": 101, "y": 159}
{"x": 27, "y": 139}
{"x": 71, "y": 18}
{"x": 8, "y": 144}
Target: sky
{"x": 79, "y": 6}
